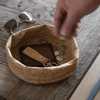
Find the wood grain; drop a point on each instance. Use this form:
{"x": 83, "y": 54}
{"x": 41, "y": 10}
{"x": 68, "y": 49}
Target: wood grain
{"x": 7, "y": 79}
{"x": 88, "y": 83}
{"x": 38, "y": 8}
{"x": 88, "y": 42}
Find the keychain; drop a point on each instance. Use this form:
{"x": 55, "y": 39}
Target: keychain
{"x": 37, "y": 56}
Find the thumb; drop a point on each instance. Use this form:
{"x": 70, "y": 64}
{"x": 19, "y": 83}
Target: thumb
{"x": 69, "y": 24}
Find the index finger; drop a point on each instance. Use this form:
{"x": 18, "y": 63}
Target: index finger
{"x": 58, "y": 18}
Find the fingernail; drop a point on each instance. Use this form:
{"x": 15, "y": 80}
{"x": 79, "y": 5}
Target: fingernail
{"x": 63, "y": 32}
{"x": 62, "y": 38}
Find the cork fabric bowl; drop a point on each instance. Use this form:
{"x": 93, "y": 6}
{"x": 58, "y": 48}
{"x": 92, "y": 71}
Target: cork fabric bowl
{"x": 41, "y": 75}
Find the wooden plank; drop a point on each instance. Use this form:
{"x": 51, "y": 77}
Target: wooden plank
{"x": 40, "y": 9}
{"x": 33, "y": 91}
{"x": 24, "y": 4}
{"x": 7, "y": 14}
{"x": 89, "y": 81}
{"x": 7, "y": 80}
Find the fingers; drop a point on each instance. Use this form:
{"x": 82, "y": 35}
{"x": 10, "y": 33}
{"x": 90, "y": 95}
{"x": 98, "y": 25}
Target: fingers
{"x": 75, "y": 34}
{"x": 65, "y": 22}
{"x": 68, "y": 28}
{"x": 58, "y": 19}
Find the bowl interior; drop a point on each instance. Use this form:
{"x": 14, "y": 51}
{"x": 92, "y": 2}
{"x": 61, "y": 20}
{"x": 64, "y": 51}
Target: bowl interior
{"x": 32, "y": 36}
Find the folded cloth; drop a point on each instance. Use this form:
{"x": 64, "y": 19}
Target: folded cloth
{"x": 44, "y": 49}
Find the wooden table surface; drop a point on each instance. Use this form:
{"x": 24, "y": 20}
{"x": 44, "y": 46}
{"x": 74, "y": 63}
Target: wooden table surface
{"x": 88, "y": 41}
{"x": 88, "y": 83}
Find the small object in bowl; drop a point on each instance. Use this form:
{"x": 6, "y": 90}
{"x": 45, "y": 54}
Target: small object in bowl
{"x": 54, "y": 48}
{"x": 60, "y": 58}
{"x": 62, "y": 52}
{"x": 56, "y": 53}
{"x": 63, "y": 47}
{"x": 41, "y": 41}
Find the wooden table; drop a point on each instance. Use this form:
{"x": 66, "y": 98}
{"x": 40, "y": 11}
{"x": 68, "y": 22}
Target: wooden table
{"x": 88, "y": 83}
{"x": 88, "y": 41}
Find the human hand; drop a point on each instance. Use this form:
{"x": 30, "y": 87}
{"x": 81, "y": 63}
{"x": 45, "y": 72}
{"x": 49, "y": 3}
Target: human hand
{"x": 68, "y": 13}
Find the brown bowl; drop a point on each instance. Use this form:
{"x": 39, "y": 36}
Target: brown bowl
{"x": 41, "y": 75}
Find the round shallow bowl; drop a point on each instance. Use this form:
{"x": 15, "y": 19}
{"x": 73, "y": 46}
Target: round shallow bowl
{"x": 41, "y": 75}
